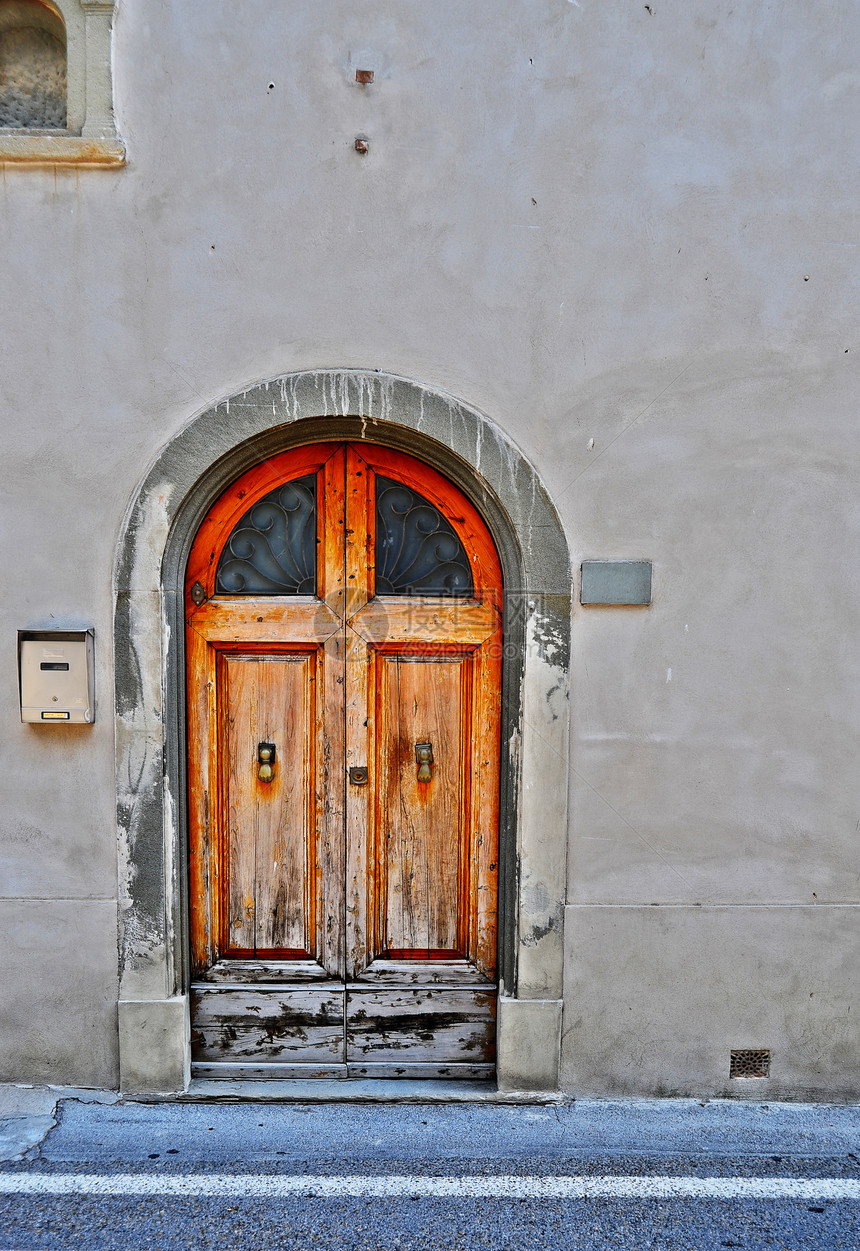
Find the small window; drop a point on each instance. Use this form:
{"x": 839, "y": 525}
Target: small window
{"x": 32, "y": 66}
{"x": 56, "y": 97}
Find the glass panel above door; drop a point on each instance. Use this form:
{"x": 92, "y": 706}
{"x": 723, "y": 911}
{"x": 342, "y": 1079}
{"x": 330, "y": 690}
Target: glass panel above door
{"x": 273, "y": 549}
{"x": 417, "y": 551}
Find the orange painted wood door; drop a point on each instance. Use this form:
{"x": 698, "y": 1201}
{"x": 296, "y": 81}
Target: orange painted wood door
{"x": 344, "y": 629}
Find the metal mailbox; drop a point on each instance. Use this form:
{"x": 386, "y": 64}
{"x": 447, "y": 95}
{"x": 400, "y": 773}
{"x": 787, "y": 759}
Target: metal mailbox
{"x": 56, "y": 676}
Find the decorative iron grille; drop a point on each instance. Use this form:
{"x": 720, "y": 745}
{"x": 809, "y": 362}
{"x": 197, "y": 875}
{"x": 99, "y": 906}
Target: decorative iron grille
{"x": 417, "y": 551}
{"x": 273, "y": 550}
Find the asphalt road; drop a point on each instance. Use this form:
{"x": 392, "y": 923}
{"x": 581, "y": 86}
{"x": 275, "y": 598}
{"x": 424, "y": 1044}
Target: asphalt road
{"x": 619, "y": 1174}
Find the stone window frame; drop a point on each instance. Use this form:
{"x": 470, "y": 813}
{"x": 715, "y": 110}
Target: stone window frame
{"x": 90, "y": 137}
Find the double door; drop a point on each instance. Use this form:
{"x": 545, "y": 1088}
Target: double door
{"x": 343, "y": 607}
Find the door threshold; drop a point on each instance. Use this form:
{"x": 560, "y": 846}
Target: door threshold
{"x": 354, "y": 1090}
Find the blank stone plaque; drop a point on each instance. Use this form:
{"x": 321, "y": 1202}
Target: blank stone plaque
{"x": 616, "y": 582}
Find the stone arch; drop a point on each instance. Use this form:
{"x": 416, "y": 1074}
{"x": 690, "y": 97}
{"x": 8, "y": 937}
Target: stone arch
{"x": 193, "y": 469}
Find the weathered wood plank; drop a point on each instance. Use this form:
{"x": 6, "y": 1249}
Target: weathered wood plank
{"x": 330, "y": 797}
{"x": 296, "y": 1039}
{"x": 203, "y": 797}
{"x": 227, "y": 1072}
{"x": 248, "y": 1005}
{"x": 359, "y": 801}
{"x": 239, "y": 690}
{"x": 260, "y": 972}
{"x": 485, "y": 739}
{"x": 431, "y": 1025}
{"x": 295, "y": 619}
{"x": 298, "y": 1024}
{"x": 360, "y": 538}
{"x": 441, "y": 621}
{"x": 423, "y": 1072}
{"x": 358, "y": 716}
{"x": 331, "y": 513}
{"x": 453, "y": 973}
{"x": 330, "y": 806}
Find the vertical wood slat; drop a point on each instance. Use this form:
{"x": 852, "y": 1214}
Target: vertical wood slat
{"x": 484, "y": 816}
{"x": 238, "y": 691}
{"x": 203, "y": 796}
{"x": 331, "y": 795}
{"x": 331, "y": 523}
{"x": 330, "y": 807}
{"x": 358, "y": 715}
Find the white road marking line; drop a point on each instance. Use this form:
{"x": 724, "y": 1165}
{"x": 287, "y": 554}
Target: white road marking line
{"x": 269, "y": 1186}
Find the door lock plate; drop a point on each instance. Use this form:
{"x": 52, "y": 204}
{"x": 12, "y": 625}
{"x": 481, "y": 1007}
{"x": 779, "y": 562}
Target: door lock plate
{"x": 358, "y": 775}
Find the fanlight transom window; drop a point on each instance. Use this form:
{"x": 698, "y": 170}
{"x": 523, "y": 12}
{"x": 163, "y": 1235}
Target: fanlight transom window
{"x": 417, "y": 551}
{"x": 272, "y": 550}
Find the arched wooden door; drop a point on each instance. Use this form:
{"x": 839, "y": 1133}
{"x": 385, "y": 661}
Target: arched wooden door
{"x": 343, "y": 607}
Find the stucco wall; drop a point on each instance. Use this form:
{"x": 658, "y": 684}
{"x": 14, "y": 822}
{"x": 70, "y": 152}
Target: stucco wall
{"x": 627, "y": 234}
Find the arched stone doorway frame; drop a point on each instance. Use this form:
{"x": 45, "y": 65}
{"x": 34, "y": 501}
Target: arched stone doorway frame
{"x": 186, "y": 477}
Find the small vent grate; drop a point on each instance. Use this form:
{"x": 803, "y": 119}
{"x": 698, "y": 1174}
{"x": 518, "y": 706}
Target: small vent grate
{"x": 749, "y": 1064}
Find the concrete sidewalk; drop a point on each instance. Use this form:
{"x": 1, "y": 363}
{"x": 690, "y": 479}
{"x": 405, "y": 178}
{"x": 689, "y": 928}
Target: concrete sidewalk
{"x": 29, "y": 1113}
{"x": 637, "y": 1126}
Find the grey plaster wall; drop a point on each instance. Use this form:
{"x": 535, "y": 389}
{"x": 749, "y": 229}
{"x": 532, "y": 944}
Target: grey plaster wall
{"x": 628, "y": 234}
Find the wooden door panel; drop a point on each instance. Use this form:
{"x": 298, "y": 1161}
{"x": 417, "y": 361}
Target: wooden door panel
{"x": 265, "y": 858}
{"x": 267, "y": 1025}
{"x": 421, "y": 877}
{"x": 271, "y": 857}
